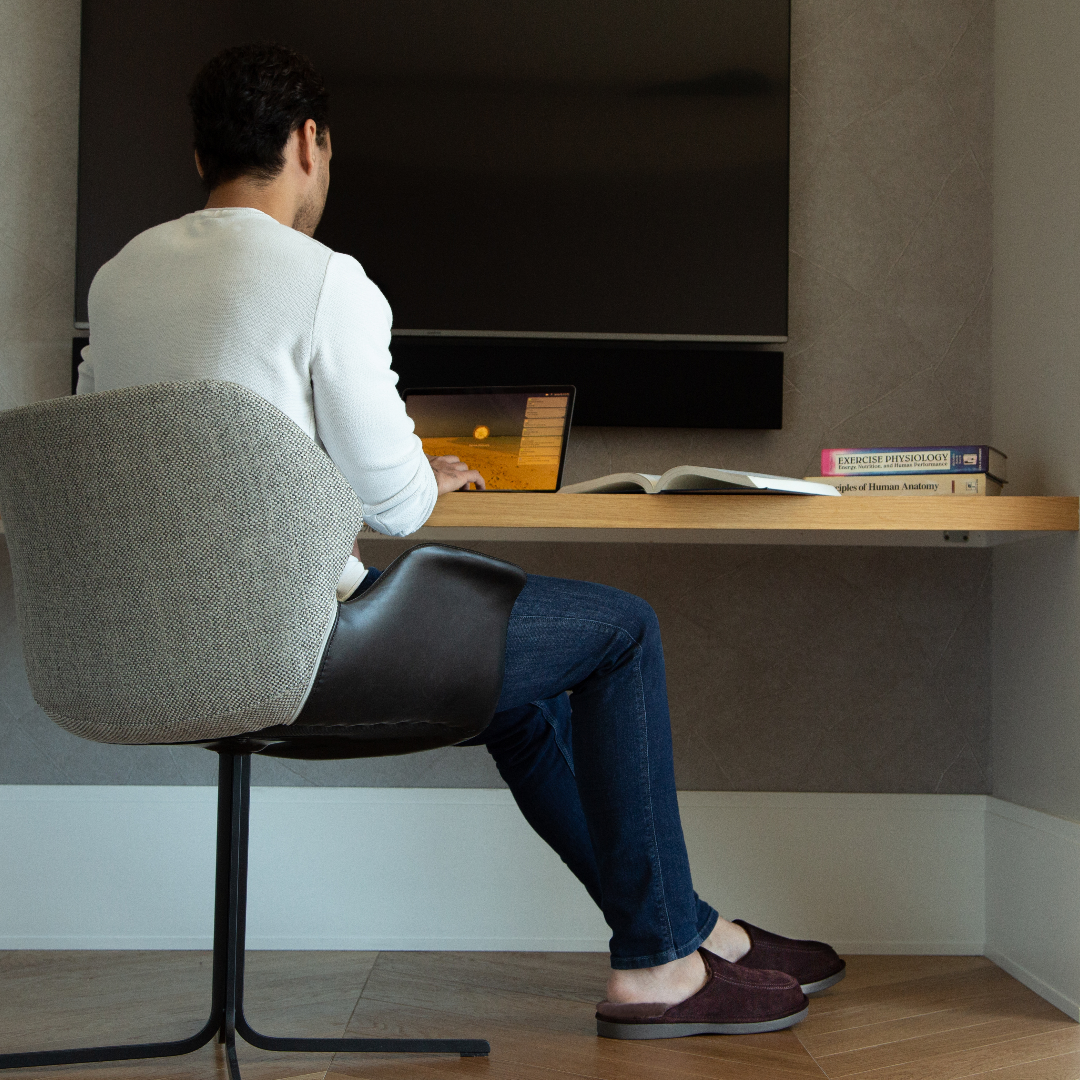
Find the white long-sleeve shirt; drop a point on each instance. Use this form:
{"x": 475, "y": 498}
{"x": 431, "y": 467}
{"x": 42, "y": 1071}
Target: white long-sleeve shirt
{"x": 233, "y": 294}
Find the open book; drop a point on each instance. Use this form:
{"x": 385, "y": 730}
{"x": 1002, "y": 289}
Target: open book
{"x": 696, "y": 478}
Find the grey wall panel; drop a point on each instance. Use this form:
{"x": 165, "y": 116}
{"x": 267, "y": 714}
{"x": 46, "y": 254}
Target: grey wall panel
{"x": 1037, "y": 398}
{"x": 39, "y": 86}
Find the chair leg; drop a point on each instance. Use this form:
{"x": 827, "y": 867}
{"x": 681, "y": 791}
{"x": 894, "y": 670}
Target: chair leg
{"x": 124, "y": 1052}
{"x": 226, "y": 1018}
{"x": 237, "y": 924}
{"x": 234, "y": 772}
{"x": 219, "y": 981}
{"x": 227, "y": 990}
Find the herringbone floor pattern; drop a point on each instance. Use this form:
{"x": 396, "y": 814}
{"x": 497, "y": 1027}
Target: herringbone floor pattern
{"x": 892, "y": 1018}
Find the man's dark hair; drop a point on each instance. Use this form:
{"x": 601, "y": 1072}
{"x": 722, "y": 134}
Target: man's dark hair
{"x": 245, "y": 104}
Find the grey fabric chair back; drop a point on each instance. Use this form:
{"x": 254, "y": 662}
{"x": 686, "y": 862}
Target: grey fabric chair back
{"x": 176, "y": 550}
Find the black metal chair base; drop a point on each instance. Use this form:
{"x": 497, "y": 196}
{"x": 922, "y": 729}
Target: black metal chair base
{"x": 227, "y": 1019}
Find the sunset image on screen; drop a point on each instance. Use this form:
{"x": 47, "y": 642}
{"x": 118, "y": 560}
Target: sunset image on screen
{"x": 513, "y": 440}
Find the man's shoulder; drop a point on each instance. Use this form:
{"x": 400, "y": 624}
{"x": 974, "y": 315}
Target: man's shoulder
{"x": 230, "y": 227}
{"x": 347, "y": 287}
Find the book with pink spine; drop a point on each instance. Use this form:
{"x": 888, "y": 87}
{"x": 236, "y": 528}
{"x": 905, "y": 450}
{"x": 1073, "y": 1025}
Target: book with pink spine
{"x": 898, "y": 460}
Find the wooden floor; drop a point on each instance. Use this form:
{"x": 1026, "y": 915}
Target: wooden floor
{"x": 892, "y": 1018}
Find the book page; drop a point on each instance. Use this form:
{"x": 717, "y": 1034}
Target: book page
{"x": 615, "y": 484}
{"x": 702, "y": 478}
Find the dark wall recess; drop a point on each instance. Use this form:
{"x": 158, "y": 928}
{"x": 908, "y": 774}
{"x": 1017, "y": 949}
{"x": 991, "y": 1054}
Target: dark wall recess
{"x": 619, "y": 384}
{"x": 76, "y": 359}
{"x": 616, "y": 384}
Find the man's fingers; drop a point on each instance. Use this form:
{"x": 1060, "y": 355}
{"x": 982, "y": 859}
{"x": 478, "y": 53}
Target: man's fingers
{"x": 452, "y": 474}
{"x": 470, "y": 476}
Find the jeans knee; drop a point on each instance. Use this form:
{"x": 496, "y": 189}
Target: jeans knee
{"x": 638, "y": 618}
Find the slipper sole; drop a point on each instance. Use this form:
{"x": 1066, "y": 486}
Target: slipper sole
{"x": 608, "y": 1029}
{"x": 823, "y": 984}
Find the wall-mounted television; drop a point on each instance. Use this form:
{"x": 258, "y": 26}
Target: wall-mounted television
{"x": 609, "y": 170}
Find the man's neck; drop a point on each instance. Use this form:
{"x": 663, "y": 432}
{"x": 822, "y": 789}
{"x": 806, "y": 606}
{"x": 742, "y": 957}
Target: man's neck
{"x": 271, "y": 199}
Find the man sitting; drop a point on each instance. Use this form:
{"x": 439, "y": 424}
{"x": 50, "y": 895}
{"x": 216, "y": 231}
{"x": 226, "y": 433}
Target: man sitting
{"x": 240, "y": 291}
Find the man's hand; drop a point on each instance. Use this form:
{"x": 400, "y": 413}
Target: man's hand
{"x": 452, "y": 474}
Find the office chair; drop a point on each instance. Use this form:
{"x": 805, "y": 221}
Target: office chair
{"x": 175, "y": 550}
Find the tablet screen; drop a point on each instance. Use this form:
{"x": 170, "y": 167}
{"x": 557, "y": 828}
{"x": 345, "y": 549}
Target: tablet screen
{"x": 514, "y": 436}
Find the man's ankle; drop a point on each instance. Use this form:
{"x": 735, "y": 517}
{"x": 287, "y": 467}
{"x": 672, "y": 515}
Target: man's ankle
{"x": 728, "y": 941}
{"x": 667, "y": 983}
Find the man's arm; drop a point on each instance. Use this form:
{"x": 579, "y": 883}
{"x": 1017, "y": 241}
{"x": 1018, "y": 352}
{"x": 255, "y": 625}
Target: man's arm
{"x": 359, "y": 417}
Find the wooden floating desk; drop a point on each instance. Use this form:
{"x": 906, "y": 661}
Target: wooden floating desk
{"x": 879, "y": 520}
{"x": 890, "y": 520}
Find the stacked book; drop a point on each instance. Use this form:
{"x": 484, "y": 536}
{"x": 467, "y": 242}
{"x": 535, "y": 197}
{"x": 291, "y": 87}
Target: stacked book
{"x": 914, "y": 470}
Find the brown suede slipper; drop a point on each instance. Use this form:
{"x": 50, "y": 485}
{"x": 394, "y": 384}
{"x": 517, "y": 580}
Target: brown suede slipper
{"x": 813, "y": 963}
{"x": 734, "y": 1001}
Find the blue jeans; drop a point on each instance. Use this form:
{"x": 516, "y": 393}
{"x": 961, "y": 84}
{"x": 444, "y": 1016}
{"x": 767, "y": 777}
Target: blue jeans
{"x": 582, "y": 737}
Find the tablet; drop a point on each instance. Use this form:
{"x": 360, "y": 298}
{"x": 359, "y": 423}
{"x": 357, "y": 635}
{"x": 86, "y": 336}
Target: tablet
{"x": 514, "y": 436}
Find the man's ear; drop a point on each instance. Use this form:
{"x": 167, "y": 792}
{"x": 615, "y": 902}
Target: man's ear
{"x": 305, "y": 145}
{"x": 198, "y": 165}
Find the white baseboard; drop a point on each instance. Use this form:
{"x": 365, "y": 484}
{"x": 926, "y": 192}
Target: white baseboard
{"x": 1033, "y": 900}
{"x": 380, "y": 868}
{"x": 1032, "y": 981}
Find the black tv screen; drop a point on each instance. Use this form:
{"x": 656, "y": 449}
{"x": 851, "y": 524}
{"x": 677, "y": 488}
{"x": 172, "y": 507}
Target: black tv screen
{"x": 542, "y": 168}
